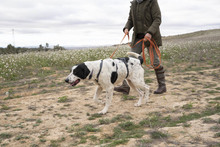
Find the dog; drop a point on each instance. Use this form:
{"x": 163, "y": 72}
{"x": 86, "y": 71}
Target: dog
{"x": 109, "y": 72}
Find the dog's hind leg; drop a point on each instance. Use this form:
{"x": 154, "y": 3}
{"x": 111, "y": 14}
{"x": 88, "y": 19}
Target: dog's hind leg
{"x": 97, "y": 94}
{"x": 133, "y": 87}
{"x": 109, "y": 94}
{"x": 143, "y": 96}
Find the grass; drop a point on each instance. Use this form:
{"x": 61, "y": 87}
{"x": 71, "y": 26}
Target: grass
{"x": 94, "y": 116}
{"x": 148, "y": 80}
{"x": 217, "y": 135}
{"x": 212, "y": 92}
{"x": 158, "y": 135}
{"x": 217, "y": 98}
{"x": 5, "y": 136}
{"x": 122, "y": 134}
{"x": 21, "y": 137}
{"x": 56, "y": 143}
{"x": 63, "y": 99}
{"x": 104, "y": 121}
{"x": 4, "y": 107}
{"x": 187, "y": 106}
{"x": 155, "y": 120}
{"x": 128, "y": 97}
{"x": 207, "y": 120}
{"x": 89, "y": 128}
{"x": 215, "y": 128}
{"x": 127, "y": 126}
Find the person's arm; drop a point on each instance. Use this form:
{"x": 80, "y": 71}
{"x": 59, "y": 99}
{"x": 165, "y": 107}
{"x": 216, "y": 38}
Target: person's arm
{"x": 129, "y": 23}
{"x": 156, "y": 15}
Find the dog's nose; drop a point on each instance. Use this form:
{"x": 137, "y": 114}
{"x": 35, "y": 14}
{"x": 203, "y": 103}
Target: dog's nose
{"x": 67, "y": 80}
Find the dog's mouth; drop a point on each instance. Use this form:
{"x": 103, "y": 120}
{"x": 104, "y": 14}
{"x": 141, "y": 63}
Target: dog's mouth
{"x": 75, "y": 82}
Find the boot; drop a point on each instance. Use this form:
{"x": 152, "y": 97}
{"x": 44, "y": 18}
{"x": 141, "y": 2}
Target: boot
{"x": 124, "y": 88}
{"x": 161, "y": 80}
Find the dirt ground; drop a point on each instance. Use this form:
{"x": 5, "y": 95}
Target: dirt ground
{"x": 47, "y": 112}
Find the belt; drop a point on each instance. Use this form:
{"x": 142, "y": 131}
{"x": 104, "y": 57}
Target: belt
{"x": 140, "y": 35}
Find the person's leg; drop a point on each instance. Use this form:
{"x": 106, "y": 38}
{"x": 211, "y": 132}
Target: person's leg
{"x": 159, "y": 74}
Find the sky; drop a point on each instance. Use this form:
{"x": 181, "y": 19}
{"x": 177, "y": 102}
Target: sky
{"x": 25, "y": 23}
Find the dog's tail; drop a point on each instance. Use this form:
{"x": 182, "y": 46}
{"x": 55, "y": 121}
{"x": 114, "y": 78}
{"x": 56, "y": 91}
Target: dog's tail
{"x": 133, "y": 54}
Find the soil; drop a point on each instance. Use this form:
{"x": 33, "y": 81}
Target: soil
{"x": 34, "y": 116}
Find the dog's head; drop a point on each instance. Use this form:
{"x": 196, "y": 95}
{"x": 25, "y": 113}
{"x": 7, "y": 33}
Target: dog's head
{"x": 77, "y": 73}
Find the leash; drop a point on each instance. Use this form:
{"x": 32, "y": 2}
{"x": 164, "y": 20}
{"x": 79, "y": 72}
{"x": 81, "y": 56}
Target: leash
{"x": 119, "y": 44}
{"x": 152, "y": 46}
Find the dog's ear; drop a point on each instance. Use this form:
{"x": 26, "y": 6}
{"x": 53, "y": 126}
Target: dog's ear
{"x": 81, "y": 71}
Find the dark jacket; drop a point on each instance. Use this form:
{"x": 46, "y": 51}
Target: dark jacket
{"x": 145, "y": 17}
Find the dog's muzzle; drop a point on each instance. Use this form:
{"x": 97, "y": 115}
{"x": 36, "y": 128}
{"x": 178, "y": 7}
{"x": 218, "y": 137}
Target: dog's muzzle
{"x": 67, "y": 80}
{"x": 73, "y": 83}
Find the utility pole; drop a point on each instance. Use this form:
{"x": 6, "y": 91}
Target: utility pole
{"x": 13, "y": 36}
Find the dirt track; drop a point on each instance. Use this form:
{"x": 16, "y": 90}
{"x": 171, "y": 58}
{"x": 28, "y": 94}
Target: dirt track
{"x": 34, "y": 116}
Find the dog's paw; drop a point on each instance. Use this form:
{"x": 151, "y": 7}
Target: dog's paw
{"x": 137, "y": 104}
{"x": 104, "y": 111}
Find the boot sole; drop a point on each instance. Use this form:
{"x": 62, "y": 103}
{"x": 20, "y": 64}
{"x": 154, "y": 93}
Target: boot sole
{"x": 160, "y": 92}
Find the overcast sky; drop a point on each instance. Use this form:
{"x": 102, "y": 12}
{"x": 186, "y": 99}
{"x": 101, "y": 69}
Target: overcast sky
{"x": 94, "y": 22}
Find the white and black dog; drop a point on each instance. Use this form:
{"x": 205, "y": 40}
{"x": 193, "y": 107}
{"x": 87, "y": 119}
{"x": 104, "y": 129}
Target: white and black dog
{"x": 109, "y": 72}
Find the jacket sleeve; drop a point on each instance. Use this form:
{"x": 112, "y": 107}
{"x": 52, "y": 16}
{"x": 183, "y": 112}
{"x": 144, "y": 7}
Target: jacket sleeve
{"x": 129, "y": 23}
{"x": 156, "y": 16}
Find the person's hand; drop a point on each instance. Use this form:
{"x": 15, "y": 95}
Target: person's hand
{"x": 126, "y": 31}
{"x": 148, "y": 35}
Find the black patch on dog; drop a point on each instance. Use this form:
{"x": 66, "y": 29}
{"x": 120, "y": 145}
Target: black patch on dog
{"x": 132, "y": 63}
{"x": 81, "y": 71}
{"x": 113, "y": 64}
{"x": 114, "y": 77}
{"x": 141, "y": 59}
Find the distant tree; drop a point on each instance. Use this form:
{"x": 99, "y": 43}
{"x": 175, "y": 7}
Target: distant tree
{"x": 11, "y": 49}
{"x": 47, "y": 45}
{"x": 41, "y": 47}
{"x": 58, "y": 47}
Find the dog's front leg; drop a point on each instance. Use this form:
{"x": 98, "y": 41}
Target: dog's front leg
{"x": 97, "y": 94}
{"x": 109, "y": 94}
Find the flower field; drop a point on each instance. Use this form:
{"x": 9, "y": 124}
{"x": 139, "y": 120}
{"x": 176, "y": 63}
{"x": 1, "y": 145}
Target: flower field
{"x": 25, "y": 65}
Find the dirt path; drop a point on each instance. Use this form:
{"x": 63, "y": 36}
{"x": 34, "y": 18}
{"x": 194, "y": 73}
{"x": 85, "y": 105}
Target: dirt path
{"x": 47, "y": 112}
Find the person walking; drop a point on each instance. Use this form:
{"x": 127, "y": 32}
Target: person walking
{"x": 145, "y": 19}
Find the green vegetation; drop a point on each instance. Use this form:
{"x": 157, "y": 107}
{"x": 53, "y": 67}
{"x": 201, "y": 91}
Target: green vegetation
{"x": 187, "y": 106}
{"x": 128, "y": 97}
{"x": 4, "y": 107}
{"x": 10, "y": 49}
{"x": 63, "y": 99}
{"x": 158, "y": 135}
{"x": 5, "y": 136}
